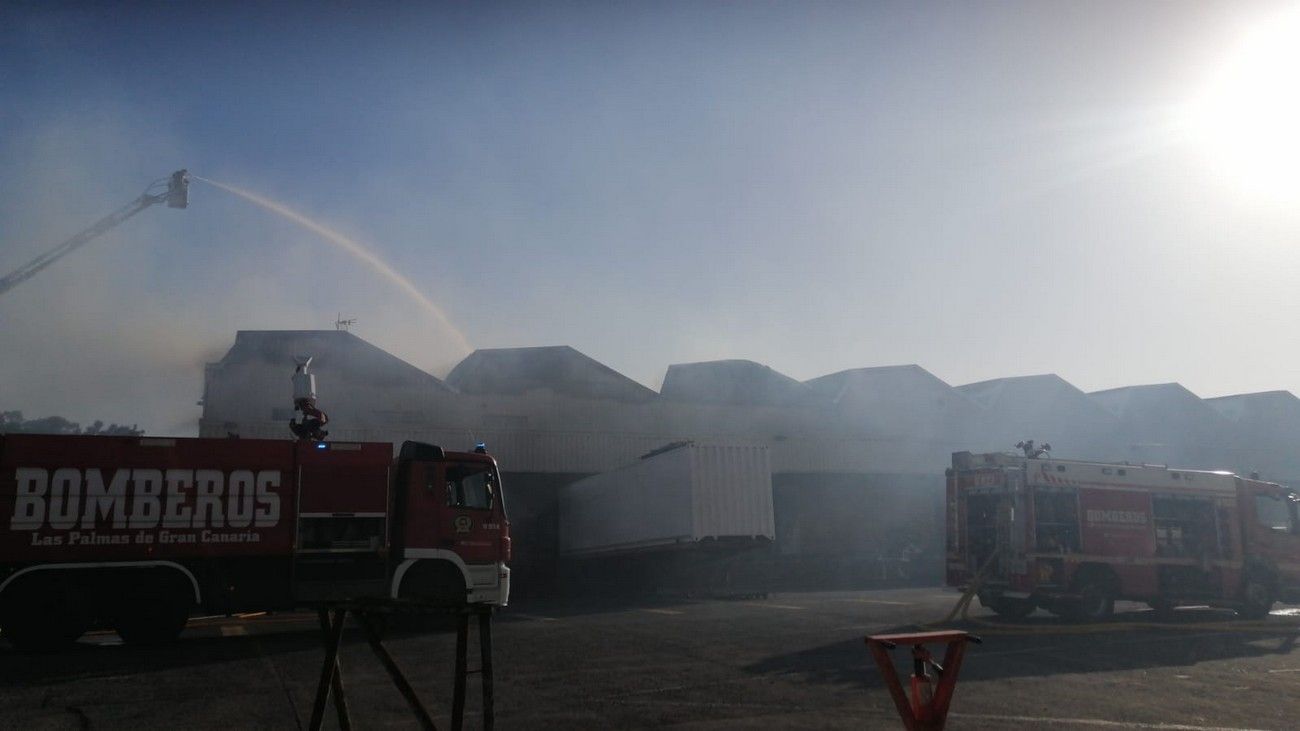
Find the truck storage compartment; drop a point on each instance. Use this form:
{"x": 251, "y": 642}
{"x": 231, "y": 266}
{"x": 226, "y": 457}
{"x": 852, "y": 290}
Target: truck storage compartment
{"x": 987, "y": 523}
{"x": 342, "y": 521}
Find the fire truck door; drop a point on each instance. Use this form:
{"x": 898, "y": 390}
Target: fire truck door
{"x": 458, "y": 510}
{"x": 1276, "y": 535}
{"x": 470, "y": 511}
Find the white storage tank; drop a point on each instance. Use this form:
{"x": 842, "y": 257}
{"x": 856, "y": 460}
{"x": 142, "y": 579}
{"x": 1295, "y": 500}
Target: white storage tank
{"x": 683, "y": 494}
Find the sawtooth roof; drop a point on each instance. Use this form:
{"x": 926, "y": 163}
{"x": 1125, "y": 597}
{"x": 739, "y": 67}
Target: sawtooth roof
{"x": 905, "y": 399}
{"x": 1154, "y": 403}
{"x": 742, "y": 382}
{"x": 1266, "y": 409}
{"x": 1047, "y": 408}
{"x": 1165, "y": 422}
{"x": 886, "y": 384}
{"x": 1265, "y": 430}
{"x": 559, "y": 369}
{"x": 337, "y": 351}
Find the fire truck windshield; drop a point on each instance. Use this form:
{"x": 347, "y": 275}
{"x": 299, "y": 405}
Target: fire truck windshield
{"x": 470, "y": 485}
{"x": 1273, "y": 512}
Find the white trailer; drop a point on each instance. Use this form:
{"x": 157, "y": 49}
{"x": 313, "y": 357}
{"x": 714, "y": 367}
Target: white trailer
{"x": 686, "y": 494}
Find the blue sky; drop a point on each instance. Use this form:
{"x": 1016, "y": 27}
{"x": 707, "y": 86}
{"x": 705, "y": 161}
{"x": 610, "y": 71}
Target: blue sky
{"x": 985, "y": 189}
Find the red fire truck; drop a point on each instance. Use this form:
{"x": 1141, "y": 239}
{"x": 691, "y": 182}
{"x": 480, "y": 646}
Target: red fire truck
{"x": 1072, "y": 537}
{"x": 137, "y": 533}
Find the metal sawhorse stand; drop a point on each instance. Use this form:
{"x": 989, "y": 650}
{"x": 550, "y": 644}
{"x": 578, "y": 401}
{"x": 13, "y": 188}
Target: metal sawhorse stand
{"x": 927, "y": 708}
{"x": 331, "y": 677}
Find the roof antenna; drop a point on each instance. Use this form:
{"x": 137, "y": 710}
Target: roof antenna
{"x": 342, "y": 325}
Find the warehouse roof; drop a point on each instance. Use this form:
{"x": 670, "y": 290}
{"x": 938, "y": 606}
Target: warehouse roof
{"x": 1040, "y": 399}
{"x": 331, "y": 350}
{"x": 732, "y": 382}
{"x": 560, "y": 369}
{"x": 1275, "y": 408}
{"x": 1153, "y": 403}
{"x": 893, "y": 384}
{"x": 1265, "y": 429}
{"x": 905, "y": 399}
{"x": 1047, "y": 408}
{"x": 1165, "y": 422}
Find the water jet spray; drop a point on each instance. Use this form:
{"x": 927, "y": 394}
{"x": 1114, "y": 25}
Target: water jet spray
{"x": 356, "y": 250}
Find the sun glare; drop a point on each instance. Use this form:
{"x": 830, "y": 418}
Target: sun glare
{"x": 1247, "y": 119}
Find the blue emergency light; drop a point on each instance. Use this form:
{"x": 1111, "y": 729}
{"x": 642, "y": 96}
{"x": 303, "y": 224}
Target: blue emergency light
{"x": 322, "y": 445}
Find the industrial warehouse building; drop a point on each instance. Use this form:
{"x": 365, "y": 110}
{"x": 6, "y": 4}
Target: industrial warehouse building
{"x": 857, "y": 457}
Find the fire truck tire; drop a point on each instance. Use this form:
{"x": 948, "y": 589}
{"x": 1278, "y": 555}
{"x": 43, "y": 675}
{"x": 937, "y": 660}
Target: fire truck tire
{"x": 43, "y": 613}
{"x": 1096, "y": 597}
{"x": 1163, "y": 608}
{"x": 155, "y": 611}
{"x": 1013, "y": 608}
{"x": 435, "y": 581}
{"x": 1258, "y": 596}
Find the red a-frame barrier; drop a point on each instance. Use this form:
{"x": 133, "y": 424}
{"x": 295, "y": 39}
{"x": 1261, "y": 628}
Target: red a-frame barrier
{"x": 927, "y": 709}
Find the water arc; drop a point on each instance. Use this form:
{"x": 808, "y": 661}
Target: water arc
{"x": 354, "y": 249}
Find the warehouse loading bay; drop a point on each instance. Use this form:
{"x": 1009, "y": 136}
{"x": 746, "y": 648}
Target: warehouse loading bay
{"x": 792, "y": 660}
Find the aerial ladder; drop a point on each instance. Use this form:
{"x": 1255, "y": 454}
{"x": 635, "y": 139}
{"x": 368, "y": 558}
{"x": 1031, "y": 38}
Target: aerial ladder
{"x": 175, "y": 194}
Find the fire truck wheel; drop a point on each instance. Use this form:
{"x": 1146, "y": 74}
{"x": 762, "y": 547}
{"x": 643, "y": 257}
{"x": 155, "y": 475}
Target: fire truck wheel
{"x": 155, "y": 612}
{"x": 43, "y": 614}
{"x": 434, "y": 582}
{"x": 1096, "y": 599}
{"x": 1013, "y": 608}
{"x": 1163, "y": 608}
{"x": 437, "y": 582}
{"x": 1258, "y": 596}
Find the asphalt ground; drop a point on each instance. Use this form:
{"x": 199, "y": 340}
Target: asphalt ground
{"x": 788, "y": 661}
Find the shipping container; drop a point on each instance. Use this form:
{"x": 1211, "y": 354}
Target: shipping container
{"x": 681, "y": 495}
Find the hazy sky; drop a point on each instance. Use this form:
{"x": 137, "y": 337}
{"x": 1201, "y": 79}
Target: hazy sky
{"x": 984, "y": 189}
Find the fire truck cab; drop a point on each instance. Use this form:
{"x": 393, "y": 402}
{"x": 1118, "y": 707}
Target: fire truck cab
{"x": 1072, "y": 537}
